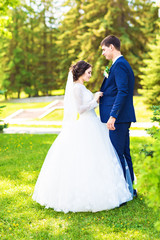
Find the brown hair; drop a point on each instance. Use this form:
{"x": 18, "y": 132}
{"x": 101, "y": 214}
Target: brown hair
{"x": 111, "y": 40}
{"x": 79, "y": 69}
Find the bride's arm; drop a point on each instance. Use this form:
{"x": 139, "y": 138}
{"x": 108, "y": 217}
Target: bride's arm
{"x": 81, "y": 106}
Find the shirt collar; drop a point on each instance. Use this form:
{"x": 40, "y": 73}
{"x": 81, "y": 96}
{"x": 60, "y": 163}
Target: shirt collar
{"x": 116, "y": 59}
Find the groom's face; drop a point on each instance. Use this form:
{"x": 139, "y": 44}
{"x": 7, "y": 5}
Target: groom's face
{"x": 107, "y": 52}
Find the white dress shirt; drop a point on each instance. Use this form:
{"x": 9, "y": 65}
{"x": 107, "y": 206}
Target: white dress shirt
{"x": 116, "y": 59}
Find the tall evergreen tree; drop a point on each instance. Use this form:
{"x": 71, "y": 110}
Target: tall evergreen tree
{"x": 47, "y": 55}
{"x": 145, "y": 12}
{"x": 40, "y": 52}
{"x": 69, "y": 41}
{"x": 101, "y": 18}
{"x": 14, "y": 56}
{"x": 4, "y": 18}
{"x": 30, "y": 57}
{"x": 151, "y": 74}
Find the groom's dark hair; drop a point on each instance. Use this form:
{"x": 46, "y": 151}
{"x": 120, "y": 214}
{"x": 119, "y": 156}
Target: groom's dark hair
{"x": 111, "y": 40}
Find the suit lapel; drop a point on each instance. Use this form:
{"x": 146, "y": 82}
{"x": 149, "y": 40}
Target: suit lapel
{"x": 103, "y": 83}
{"x": 111, "y": 68}
{"x": 105, "y": 79}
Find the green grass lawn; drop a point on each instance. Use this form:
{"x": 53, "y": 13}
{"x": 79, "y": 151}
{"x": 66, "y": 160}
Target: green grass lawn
{"x": 143, "y": 114}
{"x": 21, "y": 218}
{"x": 56, "y": 115}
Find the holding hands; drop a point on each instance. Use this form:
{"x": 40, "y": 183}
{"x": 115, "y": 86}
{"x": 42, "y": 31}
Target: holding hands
{"x": 97, "y": 96}
{"x": 111, "y": 120}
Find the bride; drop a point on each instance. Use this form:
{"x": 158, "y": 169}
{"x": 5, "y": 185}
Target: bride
{"x": 81, "y": 171}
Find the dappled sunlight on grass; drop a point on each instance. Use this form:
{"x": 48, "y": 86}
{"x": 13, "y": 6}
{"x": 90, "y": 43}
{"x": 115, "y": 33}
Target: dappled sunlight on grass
{"x": 58, "y": 226}
{"x": 28, "y": 176}
{"x": 56, "y": 115}
{"x": 22, "y": 218}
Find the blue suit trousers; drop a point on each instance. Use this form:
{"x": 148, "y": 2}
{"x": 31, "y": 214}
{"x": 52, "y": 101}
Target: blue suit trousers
{"x": 121, "y": 143}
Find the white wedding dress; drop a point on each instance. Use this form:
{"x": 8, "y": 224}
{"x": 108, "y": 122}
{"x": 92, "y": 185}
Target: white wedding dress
{"x": 81, "y": 171}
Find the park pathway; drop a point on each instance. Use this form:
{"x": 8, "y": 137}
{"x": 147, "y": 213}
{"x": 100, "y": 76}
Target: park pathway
{"x": 41, "y": 130}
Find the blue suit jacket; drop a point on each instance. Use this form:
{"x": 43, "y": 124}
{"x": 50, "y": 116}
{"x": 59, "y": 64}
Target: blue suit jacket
{"x": 117, "y": 100}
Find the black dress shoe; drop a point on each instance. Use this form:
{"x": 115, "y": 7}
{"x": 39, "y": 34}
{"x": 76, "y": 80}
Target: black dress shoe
{"x": 135, "y": 193}
{"x": 123, "y": 204}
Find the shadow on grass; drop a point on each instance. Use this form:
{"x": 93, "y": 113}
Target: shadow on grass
{"x": 136, "y": 218}
{"x": 22, "y": 218}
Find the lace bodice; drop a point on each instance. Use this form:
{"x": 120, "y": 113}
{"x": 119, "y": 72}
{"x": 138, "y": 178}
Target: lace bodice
{"x": 84, "y": 98}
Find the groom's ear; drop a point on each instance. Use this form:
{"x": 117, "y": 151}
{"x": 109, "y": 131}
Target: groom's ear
{"x": 111, "y": 46}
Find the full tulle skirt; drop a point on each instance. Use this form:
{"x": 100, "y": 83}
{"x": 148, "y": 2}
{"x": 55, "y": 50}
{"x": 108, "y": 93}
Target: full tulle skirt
{"x": 81, "y": 171}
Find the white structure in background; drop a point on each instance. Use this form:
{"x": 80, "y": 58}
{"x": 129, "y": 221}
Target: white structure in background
{"x": 29, "y": 116}
{"x": 158, "y": 5}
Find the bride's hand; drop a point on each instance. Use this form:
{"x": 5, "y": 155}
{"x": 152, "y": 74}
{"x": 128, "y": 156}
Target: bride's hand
{"x": 98, "y": 95}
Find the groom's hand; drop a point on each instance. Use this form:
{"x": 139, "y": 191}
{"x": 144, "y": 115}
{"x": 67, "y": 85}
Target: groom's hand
{"x": 110, "y": 123}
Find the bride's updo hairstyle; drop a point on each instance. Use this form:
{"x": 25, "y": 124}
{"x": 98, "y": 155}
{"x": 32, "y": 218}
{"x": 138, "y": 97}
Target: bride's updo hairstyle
{"x": 79, "y": 69}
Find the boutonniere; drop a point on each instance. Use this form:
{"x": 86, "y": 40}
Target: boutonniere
{"x": 106, "y": 72}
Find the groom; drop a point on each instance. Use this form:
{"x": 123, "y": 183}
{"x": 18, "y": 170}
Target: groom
{"x": 116, "y": 105}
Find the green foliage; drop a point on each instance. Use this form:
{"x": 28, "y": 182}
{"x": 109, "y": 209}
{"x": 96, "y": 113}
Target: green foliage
{"x": 97, "y": 19}
{"x": 2, "y": 124}
{"x": 147, "y": 150}
{"x": 4, "y": 18}
{"x": 69, "y": 41}
{"x": 42, "y": 48}
{"x": 30, "y": 57}
{"x": 150, "y": 168}
{"x": 151, "y": 72}
{"x": 156, "y": 114}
